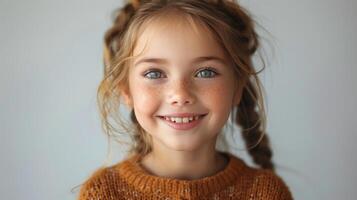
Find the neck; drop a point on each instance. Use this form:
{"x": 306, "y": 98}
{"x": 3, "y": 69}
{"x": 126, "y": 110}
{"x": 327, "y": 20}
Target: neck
{"x": 187, "y": 165}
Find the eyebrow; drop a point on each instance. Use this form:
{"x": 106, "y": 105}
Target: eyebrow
{"x": 164, "y": 61}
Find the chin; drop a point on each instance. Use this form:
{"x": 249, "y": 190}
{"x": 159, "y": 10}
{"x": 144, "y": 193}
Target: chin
{"x": 182, "y": 145}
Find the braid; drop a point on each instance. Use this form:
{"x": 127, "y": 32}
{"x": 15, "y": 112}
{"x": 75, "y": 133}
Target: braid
{"x": 135, "y": 3}
{"x": 113, "y": 36}
{"x": 250, "y": 122}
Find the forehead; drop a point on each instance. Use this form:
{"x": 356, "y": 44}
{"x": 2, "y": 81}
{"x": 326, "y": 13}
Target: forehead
{"x": 176, "y": 35}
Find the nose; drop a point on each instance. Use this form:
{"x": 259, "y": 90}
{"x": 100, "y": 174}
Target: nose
{"x": 180, "y": 93}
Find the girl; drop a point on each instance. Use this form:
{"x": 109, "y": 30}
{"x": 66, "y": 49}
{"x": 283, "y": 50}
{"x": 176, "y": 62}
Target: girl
{"x": 182, "y": 67}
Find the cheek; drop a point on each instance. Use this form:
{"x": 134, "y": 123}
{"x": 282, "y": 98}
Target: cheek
{"x": 145, "y": 98}
{"x": 219, "y": 94}
{"x": 219, "y": 101}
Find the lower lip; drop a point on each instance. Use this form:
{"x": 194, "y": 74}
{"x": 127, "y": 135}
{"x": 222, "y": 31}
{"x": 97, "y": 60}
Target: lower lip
{"x": 183, "y": 126}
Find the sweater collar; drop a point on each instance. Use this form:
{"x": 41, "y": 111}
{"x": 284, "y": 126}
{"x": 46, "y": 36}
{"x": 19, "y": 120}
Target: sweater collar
{"x": 137, "y": 177}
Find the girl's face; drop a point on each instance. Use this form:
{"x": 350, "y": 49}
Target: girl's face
{"x": 173, "y": 75}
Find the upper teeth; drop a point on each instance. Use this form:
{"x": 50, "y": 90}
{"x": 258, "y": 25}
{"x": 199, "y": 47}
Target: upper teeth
{"x": 181, "y": 119}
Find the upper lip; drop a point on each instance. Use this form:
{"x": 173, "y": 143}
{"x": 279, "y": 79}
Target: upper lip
{"x": 183, "y": 115}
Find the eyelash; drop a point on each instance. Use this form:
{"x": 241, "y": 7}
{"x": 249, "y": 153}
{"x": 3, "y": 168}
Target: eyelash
{"x": 210, "y": 69}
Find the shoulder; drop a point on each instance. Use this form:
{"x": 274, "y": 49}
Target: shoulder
{"x": 268, "y": 185}
{"x": 261, "y": 183}
{"x": 100, "y": 185}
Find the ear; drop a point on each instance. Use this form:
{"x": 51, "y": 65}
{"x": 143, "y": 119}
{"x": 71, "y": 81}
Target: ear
{"x": 124, "y": 92}
{"x": 238, "y": 95}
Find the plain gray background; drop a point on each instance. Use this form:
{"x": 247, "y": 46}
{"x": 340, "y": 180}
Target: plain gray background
{"x": 51, "y": 64}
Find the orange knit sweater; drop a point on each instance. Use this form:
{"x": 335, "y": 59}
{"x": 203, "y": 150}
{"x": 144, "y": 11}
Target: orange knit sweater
{"x": 129, "y": 180}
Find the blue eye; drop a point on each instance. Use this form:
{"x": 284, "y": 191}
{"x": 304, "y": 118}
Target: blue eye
{"x": 154, "y": 74}
{"x": 207, "y": 73}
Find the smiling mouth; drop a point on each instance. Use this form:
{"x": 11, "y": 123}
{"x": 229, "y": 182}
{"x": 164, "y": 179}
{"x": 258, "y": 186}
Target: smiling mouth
{"x": 182, "y": 120}
{"x": 182, "y": 123}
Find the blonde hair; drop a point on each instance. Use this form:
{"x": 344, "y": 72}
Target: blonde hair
{"x": 231, "y": 26}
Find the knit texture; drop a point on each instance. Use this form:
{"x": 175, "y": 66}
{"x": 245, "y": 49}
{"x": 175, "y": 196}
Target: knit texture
{"x": 129, "y": 180}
